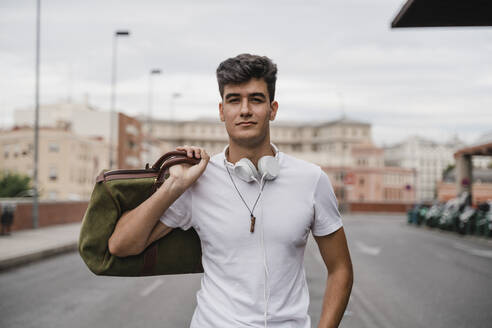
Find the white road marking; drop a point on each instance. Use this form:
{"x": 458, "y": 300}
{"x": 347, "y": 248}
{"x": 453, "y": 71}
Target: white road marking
{"x": 151, "y": 288}
{"x": 478, "y": 252}
{"x": 368, "y": 313}
{"x": 366, "y": 249}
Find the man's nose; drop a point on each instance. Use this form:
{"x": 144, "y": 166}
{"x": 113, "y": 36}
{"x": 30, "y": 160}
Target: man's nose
{"x": 245, "y": 110}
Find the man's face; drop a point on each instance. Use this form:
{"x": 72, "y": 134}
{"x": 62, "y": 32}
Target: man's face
{"x": 246, "y": 110}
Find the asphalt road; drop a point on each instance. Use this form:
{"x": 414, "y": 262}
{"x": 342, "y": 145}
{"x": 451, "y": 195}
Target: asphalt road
{"x": 404, "y": 277}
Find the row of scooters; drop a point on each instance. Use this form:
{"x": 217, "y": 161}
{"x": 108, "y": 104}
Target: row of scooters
{"x": 456, "y": 214}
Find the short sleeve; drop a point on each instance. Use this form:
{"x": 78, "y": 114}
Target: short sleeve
{"x": 326, "y": 215}
{"x": 178, "y": 215}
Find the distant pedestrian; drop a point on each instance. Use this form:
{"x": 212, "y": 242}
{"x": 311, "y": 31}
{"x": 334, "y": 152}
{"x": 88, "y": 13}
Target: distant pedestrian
{"x": 7, "y": 218}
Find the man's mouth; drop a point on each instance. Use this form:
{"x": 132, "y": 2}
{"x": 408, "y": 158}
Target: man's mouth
{"x": 247, "y": 123}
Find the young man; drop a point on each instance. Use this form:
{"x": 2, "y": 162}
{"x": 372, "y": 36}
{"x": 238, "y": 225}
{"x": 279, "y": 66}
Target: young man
{"x": 253, "y": 208}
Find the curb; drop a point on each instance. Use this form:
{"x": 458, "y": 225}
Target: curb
{"x": 15, "y": 262}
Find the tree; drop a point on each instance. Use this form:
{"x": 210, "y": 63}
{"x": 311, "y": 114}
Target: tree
{"x": 14, "y": 184}
{"x": 448, "y": 169}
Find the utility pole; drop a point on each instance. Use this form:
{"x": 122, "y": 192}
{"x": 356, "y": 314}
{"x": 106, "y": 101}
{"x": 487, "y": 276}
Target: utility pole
{"x": 35, "y": 210}
{"x": 113, "y": 93}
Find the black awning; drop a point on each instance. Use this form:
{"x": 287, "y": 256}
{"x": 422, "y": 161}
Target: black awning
{"x": 435, "y": 13}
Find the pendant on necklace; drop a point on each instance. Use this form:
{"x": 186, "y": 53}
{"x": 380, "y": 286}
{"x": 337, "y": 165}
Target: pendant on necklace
{"x": 253, "y": 219}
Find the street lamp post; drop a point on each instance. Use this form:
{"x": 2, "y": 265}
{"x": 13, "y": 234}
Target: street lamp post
{"x": 113, "y": 92}
{"x": 149, "y": 114}
{"x": 35, "y": 212}
{"x": 174, "y": 96}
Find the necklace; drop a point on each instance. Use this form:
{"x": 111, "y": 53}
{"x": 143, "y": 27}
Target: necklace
{"x": 253, "y": 219}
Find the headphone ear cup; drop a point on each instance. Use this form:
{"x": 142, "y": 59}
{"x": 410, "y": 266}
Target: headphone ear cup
{"x": 268, "y": 166}
{"x": 245, "y": 170}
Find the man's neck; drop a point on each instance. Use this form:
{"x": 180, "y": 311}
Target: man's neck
{"x": 236, "y": 152}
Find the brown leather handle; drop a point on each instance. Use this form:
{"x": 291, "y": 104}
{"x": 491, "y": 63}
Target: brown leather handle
{"x": 170, "y": 161}
{"x": 166, "y": 156}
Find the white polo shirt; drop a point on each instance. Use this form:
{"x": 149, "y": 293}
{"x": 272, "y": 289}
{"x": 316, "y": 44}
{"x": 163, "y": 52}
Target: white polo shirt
{"x": 235, "y": 289}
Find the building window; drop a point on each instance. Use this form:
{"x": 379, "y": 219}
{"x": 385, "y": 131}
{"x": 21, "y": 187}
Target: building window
{"x": 53, "y": 147}
{"x": 53, "y": 175}
{"x": 361, "y": 181}
{"x": 52, "y": 194}
{"x": 131, "y": 129}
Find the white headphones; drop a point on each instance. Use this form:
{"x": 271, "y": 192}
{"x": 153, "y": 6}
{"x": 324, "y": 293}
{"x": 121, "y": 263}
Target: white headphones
{"x": 268, "y": 167}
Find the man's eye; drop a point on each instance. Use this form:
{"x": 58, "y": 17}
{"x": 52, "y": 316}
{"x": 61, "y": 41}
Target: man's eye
{"x": 234, "y": 100}
{"x": 257, "y": 100}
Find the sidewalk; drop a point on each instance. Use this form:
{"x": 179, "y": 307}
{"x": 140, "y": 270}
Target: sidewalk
{"x": 25, "y": 246}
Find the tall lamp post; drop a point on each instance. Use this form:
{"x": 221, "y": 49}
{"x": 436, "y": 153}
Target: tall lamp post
{"x": 113, "y": 92}
{"x": 153, "y": 72}
{"x": 35, "y": 217}
{"x": 174, "y": 96}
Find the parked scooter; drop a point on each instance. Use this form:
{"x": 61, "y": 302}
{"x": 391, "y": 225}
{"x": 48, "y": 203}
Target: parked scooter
{"x": 466, "y": 222}
{"x": 433, "y": 214}
{"x": 483, "y": 221}
{"x": 454, "y": 207}
{"x": 417, "y": 214}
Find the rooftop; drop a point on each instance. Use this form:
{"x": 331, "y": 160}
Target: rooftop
{"x": 442, "y": 13}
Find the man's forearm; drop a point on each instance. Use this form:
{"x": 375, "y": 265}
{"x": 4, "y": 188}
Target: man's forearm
{"x": 134, "y": 227}
{"x": 337, "y": 294}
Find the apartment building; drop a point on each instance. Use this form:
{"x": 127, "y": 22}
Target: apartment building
{"x": 325, "y": 144}
{"x": 84, "y": 119}
{"x": 343, "y": 148}
{"x": 87, "y": 121}
{"x": 68, "y": 163}
{"x": 369, "y": 180}
{"x": 427, "y": 158}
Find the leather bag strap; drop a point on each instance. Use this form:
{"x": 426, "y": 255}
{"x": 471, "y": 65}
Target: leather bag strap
{"x": 166, "y": 156}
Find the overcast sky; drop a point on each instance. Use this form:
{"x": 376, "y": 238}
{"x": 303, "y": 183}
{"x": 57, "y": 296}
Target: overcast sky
{"x": 333, "y": 57}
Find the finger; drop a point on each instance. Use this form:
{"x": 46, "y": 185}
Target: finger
{"x": 189, "y": 151}
{"x": 205, "y": 155}
{"x": 197, "y": 152}
{"x": 204, "y": 161}
{"x": 182, "y": 148}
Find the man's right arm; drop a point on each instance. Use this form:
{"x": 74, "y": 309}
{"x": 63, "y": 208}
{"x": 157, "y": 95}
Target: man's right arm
{"x": 138, "y": 228}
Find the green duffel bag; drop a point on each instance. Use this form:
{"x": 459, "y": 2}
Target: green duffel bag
{"x": 118, "y": 191}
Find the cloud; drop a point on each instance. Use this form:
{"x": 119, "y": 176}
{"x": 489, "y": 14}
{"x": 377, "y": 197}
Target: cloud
{"x": 333, "y": 57}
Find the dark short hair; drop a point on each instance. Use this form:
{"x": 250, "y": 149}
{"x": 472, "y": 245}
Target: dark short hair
{"x": 243, "y": 68}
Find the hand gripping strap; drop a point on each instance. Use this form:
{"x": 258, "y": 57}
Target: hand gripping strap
{"x": 170, "y": 161}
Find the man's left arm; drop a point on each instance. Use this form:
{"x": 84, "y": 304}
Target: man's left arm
{"x": 335, "y": 254}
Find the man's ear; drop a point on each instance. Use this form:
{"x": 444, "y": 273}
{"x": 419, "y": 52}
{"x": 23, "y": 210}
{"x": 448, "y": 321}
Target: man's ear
{"x": 221, "y": 112}
{"x": 274, "y": 108}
